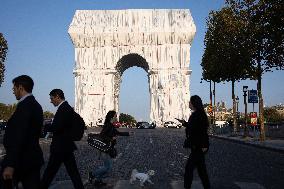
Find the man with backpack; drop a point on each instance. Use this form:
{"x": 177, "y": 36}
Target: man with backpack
{"x": 62, "y": 145}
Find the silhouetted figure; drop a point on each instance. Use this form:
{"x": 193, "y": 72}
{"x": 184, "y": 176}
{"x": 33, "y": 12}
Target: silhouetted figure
{"x": 24, "y": 157}
{"x": 198, "y": 141}
{"x": 62, "y": 146}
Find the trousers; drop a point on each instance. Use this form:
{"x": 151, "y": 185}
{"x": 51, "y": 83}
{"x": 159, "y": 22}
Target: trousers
{"x": 196, "y": 160}
{"x": 54, "y": 164}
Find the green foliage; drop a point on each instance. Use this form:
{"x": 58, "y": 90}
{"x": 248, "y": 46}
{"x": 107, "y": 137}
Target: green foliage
{"x": 223, "y": 58}
{"x": 3, "y": 53}
{"x": 271, "y": 115}
{"x": 264, "y": 32}
{"x": 6, "y": 111}
{"x": 127, "y": 118}
{"x": 48, "y": 115}
{"x": 244, "y": 40}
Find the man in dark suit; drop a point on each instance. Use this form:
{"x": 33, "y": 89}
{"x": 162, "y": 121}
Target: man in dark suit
{"x": 62, "y": 146}
{"x": 24, "y": 157}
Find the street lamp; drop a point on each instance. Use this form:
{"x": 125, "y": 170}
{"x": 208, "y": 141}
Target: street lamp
{"x": 237, "y": 101}
{"x": 238, "y": 115}
{"x": 245, "y": 90}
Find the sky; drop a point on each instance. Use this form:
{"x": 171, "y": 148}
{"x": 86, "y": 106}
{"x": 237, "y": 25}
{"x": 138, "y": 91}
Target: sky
{"x": 39, "y": 46}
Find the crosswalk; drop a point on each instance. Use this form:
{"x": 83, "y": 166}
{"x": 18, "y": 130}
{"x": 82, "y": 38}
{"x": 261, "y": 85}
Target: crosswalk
{"x": 178, "y": 184}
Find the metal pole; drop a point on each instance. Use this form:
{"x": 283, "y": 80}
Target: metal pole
{"x": 214, "y": 116}
{"x": 211, "y": 120}
{"x": 246, "y": 123}
{"x": 256, "y": 123}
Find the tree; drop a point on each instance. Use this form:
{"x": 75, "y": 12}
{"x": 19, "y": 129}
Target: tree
{"x": 264, "y": 30}
{"x": 271, "y": 115}
{"x": 245, "y": 39}
{"x": 3, "y": 53}
{"x": 6, "y": 111}
{"x": 48, "y": 115}
{"x": 224, "y": 58}
{"x": 127, "y": 118}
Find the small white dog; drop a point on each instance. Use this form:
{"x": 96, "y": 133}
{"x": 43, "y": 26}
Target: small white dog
{"x": 142, "y": 177}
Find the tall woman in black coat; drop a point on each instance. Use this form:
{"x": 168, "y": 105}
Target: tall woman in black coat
{"x": 196, "y": 133}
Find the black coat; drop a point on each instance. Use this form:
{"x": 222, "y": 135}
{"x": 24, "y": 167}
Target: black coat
{"x": 196, "y": 130}
{"x": 109, "y": 131}
{"x": 61, "y": 142}
{"x": 21, "y": 138}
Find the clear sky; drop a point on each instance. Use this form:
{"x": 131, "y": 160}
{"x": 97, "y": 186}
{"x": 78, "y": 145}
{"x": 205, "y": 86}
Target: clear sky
{"x": 39, "y": 46}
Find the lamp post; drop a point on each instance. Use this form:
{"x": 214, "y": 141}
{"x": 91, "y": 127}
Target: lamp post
{"x": 237, "y": 102}
{"x": 245, "y": 90}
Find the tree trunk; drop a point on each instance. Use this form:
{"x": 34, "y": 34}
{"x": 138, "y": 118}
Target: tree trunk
{"x": 234, "y": 109}
{"x": 261, "y": 118}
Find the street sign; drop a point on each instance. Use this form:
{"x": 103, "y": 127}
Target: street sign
{"x": 253, "y": 118}
{"x": 252, "y": 96}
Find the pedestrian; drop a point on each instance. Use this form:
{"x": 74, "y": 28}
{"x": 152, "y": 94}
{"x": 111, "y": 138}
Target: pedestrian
{"x": 197, "y": 140}
{"x": 109, "y": 134}
{"x": 24, "y": 156}
{"x": 62, "y": 147}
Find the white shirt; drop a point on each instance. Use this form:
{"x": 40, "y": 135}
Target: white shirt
{"x": 60, "y": 104}
{"x": 24, "y": 97}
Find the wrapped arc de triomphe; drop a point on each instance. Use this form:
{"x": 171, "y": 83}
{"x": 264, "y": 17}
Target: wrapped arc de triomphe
{"x": 107, "y": 42}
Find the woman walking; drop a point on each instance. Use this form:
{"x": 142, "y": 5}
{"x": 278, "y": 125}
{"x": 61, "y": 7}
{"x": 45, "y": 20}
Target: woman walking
{"x": 197, "y": 140}
{"x": 109, "y": 134}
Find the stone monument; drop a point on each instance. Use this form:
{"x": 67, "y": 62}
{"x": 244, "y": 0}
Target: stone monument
{"x": 107, "y": 42}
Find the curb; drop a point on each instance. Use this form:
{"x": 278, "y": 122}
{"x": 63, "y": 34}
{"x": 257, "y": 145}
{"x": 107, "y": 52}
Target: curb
{"x": 275, "y": 149}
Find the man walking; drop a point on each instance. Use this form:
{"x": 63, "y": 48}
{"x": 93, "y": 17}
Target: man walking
{"x": 62, "y": 146}
{"x": 24, "y": 157}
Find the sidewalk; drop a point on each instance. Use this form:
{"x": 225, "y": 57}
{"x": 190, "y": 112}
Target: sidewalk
{"x": 269, "y": 144}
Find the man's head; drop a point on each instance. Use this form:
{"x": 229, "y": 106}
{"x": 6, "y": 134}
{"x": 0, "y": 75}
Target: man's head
{"x": 56, "y": 96}
{"x": 22, "y": 85}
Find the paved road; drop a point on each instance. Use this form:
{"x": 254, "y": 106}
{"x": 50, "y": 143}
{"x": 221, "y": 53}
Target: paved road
{"x": 230, "y": 165}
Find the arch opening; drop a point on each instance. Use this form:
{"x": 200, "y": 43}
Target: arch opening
{"x": 129, "y": 67}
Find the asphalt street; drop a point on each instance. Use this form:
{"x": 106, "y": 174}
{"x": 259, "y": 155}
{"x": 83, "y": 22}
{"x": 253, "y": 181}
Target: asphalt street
{"x": 230, "y": 165}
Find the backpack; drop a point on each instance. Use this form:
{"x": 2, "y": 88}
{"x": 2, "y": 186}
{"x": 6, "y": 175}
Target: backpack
{"x": 77, "y": 127}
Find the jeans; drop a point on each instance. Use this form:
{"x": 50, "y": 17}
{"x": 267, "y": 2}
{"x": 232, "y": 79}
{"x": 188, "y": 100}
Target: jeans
{"x": 102, "y": 171}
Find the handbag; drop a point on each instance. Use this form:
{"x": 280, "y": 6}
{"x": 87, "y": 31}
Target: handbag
{"x": 186, "y": 143}
{"x": 97, "y": 141}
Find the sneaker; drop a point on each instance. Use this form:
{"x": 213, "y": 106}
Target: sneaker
{"x": 90, "y": 177}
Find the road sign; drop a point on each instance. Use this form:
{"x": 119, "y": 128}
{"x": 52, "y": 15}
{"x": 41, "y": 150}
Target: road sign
{"x": 253, "y": 118}
{"x": 252, "y": 96}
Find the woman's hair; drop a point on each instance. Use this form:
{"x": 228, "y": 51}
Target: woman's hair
{"x": 109, "y": 116}
{"x": 196, "y": 102}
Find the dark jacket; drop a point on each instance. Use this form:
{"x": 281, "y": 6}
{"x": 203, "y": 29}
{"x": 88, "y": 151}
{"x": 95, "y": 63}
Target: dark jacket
{"x": 61, "y": 142}
{"x": 109, "y": 131}
{"x": 21, "y": 138}
{"x": 196, "y": 130}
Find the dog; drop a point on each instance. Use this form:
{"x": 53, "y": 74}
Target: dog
{"x": 142, "y": 177}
